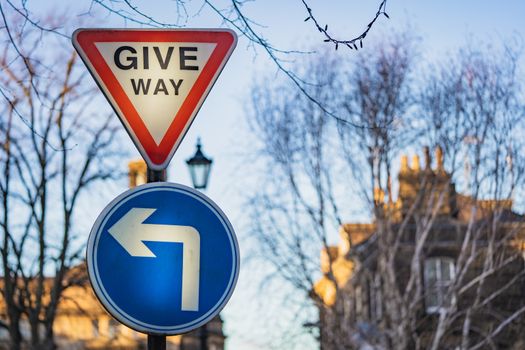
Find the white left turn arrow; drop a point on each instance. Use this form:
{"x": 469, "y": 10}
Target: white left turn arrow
{"x": 131, "y": 232}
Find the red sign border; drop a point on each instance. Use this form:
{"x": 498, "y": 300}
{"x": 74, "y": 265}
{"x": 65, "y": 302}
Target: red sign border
{"x": 156, "y": 156}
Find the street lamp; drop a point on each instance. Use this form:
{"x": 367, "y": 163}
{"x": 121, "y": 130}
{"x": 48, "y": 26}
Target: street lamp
{"x": 199, "y": 167}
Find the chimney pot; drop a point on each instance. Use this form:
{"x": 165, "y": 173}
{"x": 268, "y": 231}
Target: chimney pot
{"x": 404, "y": 163}
{"x": 415, "y": 163}
{"x": 426, "y": 150}
{"x": 439, "y": 158}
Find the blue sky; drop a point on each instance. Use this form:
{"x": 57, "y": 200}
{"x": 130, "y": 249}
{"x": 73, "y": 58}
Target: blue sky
{"x": 222, "y": 122}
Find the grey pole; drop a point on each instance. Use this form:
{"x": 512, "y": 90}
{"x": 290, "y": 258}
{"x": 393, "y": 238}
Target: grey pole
{"x": 156, "y": 342}
{"x": 156, "y": 175}
{"x": 204, "y": 336}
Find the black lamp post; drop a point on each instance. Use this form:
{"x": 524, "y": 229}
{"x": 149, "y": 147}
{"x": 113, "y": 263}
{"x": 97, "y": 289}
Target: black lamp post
{"x": 200, "y": 167}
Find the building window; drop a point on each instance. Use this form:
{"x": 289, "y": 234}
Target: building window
{"x": 94, "y": 328}
{"x": 113, "y": 328}
{"x": 439, "y": 273}
{"x": 376, "y": 298}
{"x": 358, "y": 300}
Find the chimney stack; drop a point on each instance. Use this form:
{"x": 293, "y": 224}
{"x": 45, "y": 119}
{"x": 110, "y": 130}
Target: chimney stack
{"x": 404, "y": 163}
{"x": 379, "y": 195}
{"x": 439, "y": 158}
{"x": 428, "y": 160}
{"x": 415, "y": 163}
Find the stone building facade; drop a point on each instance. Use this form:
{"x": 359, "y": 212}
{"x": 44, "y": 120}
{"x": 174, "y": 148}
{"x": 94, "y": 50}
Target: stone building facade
{"x": 352, "y": 295}
{"x": 83, "y": 324}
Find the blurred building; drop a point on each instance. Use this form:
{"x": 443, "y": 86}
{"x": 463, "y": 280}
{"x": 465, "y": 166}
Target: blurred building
{"x": 82, "y": 323}
{"x": 350, "y": 290}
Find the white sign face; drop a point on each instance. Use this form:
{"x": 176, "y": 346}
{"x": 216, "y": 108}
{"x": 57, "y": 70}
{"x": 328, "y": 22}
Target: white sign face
{"x": 155, "y": 80}
{"x": 157, "y": 77}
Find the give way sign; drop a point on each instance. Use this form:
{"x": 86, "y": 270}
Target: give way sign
{"x": 155, "y": 79}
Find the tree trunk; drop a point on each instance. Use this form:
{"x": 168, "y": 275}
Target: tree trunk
{"x": 15, "y": 337}
{"x": 49, "y": 341}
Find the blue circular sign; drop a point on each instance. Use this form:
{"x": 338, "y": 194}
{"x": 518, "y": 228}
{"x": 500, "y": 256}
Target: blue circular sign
{"x": 163, "y": 258}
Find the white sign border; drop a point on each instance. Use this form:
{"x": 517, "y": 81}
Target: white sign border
{"x": 121, "y": 315}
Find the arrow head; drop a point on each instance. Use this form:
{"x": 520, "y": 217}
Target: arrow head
{"x": 127, "y": 231}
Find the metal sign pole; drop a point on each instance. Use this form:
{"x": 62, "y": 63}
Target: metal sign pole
{"x": 156, "y": 175}
{"x": 156, "y": 342}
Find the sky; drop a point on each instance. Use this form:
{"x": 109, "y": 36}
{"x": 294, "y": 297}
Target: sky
{"x": 222, "y": 123}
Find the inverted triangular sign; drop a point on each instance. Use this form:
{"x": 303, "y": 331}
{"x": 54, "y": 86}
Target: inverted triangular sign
{"x": 155, "y": 79}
